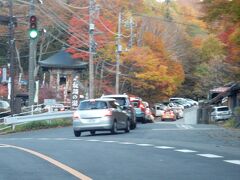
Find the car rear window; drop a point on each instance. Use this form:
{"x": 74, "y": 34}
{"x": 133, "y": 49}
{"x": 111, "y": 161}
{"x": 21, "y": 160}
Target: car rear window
{"x": 135, "y": 104}
{"x": 222, "y": 109}
{"x": 86, "y": 105}
{"x": 120, "y": 101}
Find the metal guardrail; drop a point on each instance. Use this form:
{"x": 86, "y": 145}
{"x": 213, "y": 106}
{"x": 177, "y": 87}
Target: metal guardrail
{"x": 37, "y": 117}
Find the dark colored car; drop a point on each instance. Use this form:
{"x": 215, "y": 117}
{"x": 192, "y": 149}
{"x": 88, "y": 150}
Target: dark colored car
{"x": 124, "y": 101}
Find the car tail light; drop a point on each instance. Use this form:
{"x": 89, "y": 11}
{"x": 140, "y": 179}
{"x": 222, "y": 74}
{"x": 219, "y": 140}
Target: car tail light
{"x": 172, "y": 113}
{"x": 142, "y": 107}
{"x": 108, "y": 112}
{"x": 76, "y": 115}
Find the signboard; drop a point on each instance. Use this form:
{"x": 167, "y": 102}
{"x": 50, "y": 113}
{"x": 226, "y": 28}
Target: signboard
{"x": 75, "y": 93}
{"x": 49, "y": 102}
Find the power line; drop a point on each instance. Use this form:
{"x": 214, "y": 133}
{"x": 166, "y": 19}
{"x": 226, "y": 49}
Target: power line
{"x": 72, "y": 6}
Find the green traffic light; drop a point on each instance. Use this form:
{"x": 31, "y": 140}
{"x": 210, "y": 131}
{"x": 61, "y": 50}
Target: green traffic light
{"x": 33, "y": 33}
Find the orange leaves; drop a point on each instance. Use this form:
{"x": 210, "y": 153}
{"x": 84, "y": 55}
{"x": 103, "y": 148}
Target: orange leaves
{"x": 152, "y": 72}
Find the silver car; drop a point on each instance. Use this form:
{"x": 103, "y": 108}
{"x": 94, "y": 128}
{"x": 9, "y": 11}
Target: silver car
{"x": 100, "y": 115}
{"x": 220, "y": 113}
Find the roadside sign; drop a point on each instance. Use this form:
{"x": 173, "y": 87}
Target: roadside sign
{"x": 75, "y": 93}
{"x": 49, "y": 102}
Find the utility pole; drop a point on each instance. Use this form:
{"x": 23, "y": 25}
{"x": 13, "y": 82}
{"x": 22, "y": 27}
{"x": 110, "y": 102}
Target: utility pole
{"x": 12, "y": 53}
{"x": 119, "y": 49}
{"x": 32, "y": 59}
{"x": 91, "y": 44}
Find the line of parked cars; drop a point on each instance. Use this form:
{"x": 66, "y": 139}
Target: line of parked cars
{"x": 122, "y": 112}
{"x": 172, "y": 109}
{"x": 110, "y": 113}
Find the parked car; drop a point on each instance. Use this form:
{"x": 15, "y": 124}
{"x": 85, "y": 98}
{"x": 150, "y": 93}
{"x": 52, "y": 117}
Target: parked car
{"x": 158, "y": 109}
{"x": 149, "y": 118}
{"x": 124, "y": 101}
{"x": 4, "y": 108}
{"x": 58, "y": 107}
{"x": 139, "y": 108}
{"x": 191, "y": 101}
{"x": 181, "y": 101}
{"x": 100, "y": 115}
{"x": 168, "y": 114}
{"x": 220, "y": 113}
{"x": 177, "y": 109}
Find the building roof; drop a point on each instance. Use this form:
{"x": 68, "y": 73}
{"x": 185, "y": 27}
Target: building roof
{"x": 63, "y": 60}
{"x": 234, "y": 88}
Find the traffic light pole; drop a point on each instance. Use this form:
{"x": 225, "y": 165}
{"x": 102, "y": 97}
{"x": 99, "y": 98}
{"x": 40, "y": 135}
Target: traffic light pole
{"x": 32, "y": 59}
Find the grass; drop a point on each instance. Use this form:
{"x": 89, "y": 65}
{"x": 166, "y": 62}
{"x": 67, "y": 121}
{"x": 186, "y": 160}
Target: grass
{"x": 231, "y": 123}
{"x": 39, "y": 125}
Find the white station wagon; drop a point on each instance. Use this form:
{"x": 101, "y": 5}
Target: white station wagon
{"x": 220, "y": 113}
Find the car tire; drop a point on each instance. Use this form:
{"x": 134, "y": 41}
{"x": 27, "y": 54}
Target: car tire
{"x": 114, "y": 128}
{"x": 133, "y": 125}
{"x": 77, "y": 133}
{"x": 127, "y": 129}
{"x": 92, "y": 133}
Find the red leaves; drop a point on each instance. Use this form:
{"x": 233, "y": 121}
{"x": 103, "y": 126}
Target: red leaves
{"x": 79, "y": 29}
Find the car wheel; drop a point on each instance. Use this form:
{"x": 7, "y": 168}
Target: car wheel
{"x": 127, "y": 129}
{"x": 92, "y": 133}
{"x": 114, "y": 128}
{"x": 77, "y": 133}
{"x": 133, "y": 125}
{"x": 143, "y": 120}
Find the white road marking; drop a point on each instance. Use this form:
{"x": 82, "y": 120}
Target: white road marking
{"x": 126, "y": 143}
{"x": 52, "y": 161}
{"x": 184, "y": 126}
{"x": 109, "y": 141}
{"x": 93, "y": 140}
{"x": 237, "y": 162}
{"x": 233, "y": 161}
{"x": 144, "y": 145}
{"x": 164, "y": 147}
{"x": 185, "y": 150}
{"x": 43, "y": 139}
{"x": 193, "y": 129}
{"x": 3, "y": 146}
{"x": 210, "y": 155}
{"x": 187, "y": 126}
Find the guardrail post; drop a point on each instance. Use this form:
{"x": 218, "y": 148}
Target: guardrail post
{"x": 13, "y": 127}
{"x": 31, "y": 109}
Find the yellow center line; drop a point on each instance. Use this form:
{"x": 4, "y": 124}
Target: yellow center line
{"x": 53, "y": 161}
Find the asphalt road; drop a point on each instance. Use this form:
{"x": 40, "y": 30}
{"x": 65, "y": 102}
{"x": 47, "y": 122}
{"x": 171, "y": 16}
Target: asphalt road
{"x": 180, "y": 150}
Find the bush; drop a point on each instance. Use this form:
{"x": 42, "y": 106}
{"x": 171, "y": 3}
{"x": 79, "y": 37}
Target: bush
{"x": 231, "y": 123}
{"x": 234, "y": 122}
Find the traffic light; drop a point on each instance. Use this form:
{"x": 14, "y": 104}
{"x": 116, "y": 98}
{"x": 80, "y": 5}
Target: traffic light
{"x": 33, "y": 32}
